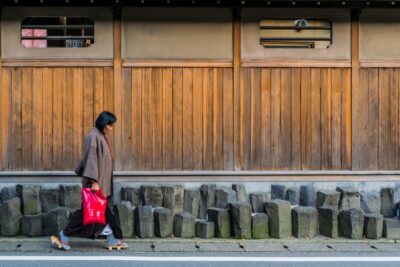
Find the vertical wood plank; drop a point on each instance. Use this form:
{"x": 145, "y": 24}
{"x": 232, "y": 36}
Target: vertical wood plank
{"x": 286, "y": 120}
{"x": 237, "y": 80}
{"x": 296, "y": 118}
{"x": 88, "y": 102}
{"x": 67, "y": 114}
{"x": 58, "y": 89}
{"x": 276, "y": 126}
{"x": 316, "y": 118}
{"x": 336, "y": 119}
{"x": 157, "y": 119}
{"x": 126, "y": 120}
{"x": 197, "y": 118}
{"x": 108, "y": 89}
{"x": 6, "y": 130}
{"x": 393, "y": 150}
{"x": 207, "y": 119}
{"x": 384, "y": 109}
{"x": 98, "y": 91}
{"x": 177, "y": 118}
{"x": 255, "y": 118}
{"x": 187, "y": 118}
{"x": 245, "y": 118}
{"x": 77, "y": 130}
{"x": 326, "y": 118}
{"x": 360, "y": 120}
{"x": 147, "y": 128}
{"x": 346, "y": 119}
{"x": 266, "y": 158}
{"x": 27, "y": 118}
{"x": 136, "y": 82}
{"x": 218, "y": 157}
{"x": 37, "y": 118}
{"x": 117, "y": 77}
{"x": 306, "y": 119}
{"x": 373, "y": 119}
{"x": 48, "y": 118}
{"x": 167, "y": 119}
{"x": 228, "y": 119}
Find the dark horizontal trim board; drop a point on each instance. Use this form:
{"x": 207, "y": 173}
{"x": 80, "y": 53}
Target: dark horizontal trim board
{"x": 380, "y": 64}
{"x": 296, "y": 63}
{"x": 178, "y": 63}
{"x": 56, "y": 63}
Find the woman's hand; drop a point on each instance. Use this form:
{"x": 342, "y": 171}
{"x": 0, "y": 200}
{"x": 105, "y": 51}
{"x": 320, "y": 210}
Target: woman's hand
{"x": 95, "y": 186}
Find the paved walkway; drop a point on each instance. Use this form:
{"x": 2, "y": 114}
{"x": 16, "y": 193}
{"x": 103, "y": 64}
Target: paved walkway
{"x": 318, "y": 244}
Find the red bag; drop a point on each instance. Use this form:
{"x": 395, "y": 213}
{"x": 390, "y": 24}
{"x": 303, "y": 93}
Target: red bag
{"x": 94, "y": 206}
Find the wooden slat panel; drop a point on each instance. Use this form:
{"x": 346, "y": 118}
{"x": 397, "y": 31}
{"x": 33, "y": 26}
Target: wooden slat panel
{"x": 187, "y": 118}
{"x": 315, "y": 119}
{"x": 336, "y": 119}
{"x": 197, "y": 119}
{"x": 167, "y": 119}
{"x": 6, "y": 130}
{"x": 77, "y": 130}
{"x": 48, "y": 118}
{"x": 326, "y": 118}
{"x": 393, "y": 149}
{"x": 58, "y": 89}
{"x": 16, "y": 119}
{"x": 67, "y": 123}
{"x": 245, "y": 119}
{"x": 147, "y": 127}
{"x": 157, "y": 119}
{"x": 346, "y": 119}
{"x": 228, "y": 118}
{"x": 266, "y": 157}
{"x": 26, "y": 118}
{"x": 136, "y": 145}
{"x": 373, "y": 120}
{"x": 286, "y": 120}
{"x": 255, "y": 118}
{"x": 126, "y": 120}
{"x": 37, "y": 118}
{"x": 177, "y": 81}
{"x": 296, "y": 118}
{"x": 218, "y": 156}
{"x": 306, "y": 119}
{"x": 276, "y": 126}
{"x": 384, "y": 116}
{"x": 207, "y": 119}
{"x": 360, "y": 115}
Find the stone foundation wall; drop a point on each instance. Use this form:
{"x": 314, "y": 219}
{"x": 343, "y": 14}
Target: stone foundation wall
{"x": 226, "y": 210}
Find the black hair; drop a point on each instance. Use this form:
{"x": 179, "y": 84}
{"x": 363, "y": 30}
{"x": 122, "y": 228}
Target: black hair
{"x": 104, "y": 118}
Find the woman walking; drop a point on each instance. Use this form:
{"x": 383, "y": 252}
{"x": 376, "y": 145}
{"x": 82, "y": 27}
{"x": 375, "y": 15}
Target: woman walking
{"x": 96, "y": 170}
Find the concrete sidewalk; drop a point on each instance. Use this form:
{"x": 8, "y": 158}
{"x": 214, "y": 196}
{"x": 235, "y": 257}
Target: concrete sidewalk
{"x": 318, "y": 244}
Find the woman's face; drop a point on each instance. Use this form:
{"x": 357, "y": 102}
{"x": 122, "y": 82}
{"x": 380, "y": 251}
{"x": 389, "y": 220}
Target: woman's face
{"x": 108, "y": 129}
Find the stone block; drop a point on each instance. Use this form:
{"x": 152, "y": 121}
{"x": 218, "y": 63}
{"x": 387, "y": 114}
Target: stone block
{"x": 241, "y": 219}
{"x": 328, "y": 221}
{"x": 55, "y": 220}
{"x": 163, "y": 221}
{"x": 50, "y": 197}
{"x": 373, "y": 225}
{"x": 144, "y": 221}
{"x": 391, "y": 228}
{"x": 71, "y": 196}
{"x": 279, "y": 218}
{"x": 222, "y": 221}
{"x": 124, "y": 212}
{"x": 192, "y": 202}
{"x": 168, "y": 196}
{"x": 390, "y": 197}
{"x": 308, "y": 196}
{"x": 349, "y": 198}
{"x": 351, "y": 223}
{"x": 207, "y": 199}
{"x": 30, "y": 198}
{"x": 151, "y": 195}
{"x": 293, "y": 196}
{"x": 179, "y": 200}
{"x": 205, "y": 229}
{"x": 259, "y": 226}
{"x": 240, "y": 190}
{"x": 258, "y": 200}
{"x": 184, "y": 225}
{"x": 370, "y": 202}
{"x": 10, "y": 215}
{"x": 278, "y": 191}
{"x": 305, "y": 222}
{"x": 32, "y": 225}
{"x": 328, "y": 199}
{"x": 223, "y": 197}
{"x": 8, "y": 193}
{"x": 132, "y": 195}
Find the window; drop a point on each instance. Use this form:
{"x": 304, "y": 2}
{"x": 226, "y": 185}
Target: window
{"x": 69, "y": 32}
{"x": 295, "y": 33}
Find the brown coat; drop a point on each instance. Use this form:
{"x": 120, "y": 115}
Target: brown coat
{"x": 97, "y": 162}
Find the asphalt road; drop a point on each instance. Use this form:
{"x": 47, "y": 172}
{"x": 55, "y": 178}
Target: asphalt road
{"x": 204, "y": 260}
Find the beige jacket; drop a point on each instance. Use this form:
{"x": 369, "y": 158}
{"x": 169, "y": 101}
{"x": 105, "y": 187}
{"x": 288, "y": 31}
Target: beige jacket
{"x": 97, "y": 162}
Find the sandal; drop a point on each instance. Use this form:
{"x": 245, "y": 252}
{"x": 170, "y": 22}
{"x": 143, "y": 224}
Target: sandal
{"x": 118, "y": 246}
{"x": 59, "y": 244}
